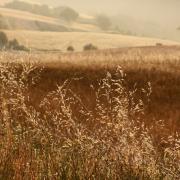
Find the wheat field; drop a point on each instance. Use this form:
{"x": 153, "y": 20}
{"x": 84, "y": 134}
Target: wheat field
{"x": 59, "y": 41}
{"x": 108, "y": 114}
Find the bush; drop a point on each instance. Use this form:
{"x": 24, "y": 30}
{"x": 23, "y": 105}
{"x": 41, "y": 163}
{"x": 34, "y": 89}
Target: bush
{"x": 14, "y": 45}
{"x": 70, "y": 48}
{"x": 89, "y": 47}
{"x": 21, "y": 48}
{"x": 3, "y": 40}
{"x": 159, "y": 44}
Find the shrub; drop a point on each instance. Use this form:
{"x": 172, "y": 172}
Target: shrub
{"x": 21, "y": 48}
{"x": 14, "y": 45}
{"x": 89, "y": 47}
{"x": 3, "y": 40}
{"x": 159, "y": 44}
{"x": 70, "y": 48}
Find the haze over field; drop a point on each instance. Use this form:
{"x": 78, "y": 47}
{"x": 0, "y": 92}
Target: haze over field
{"x": 153, "y": 18}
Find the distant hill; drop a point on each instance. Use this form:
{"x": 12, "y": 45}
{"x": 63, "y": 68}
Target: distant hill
{"x": 21, "y": 20}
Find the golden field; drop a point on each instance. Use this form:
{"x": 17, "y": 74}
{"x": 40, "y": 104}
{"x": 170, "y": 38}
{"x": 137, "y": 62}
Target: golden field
{"x": 79, "y": 101}
{"x": 48, "y": 41}
{"x": 105, "y": 114}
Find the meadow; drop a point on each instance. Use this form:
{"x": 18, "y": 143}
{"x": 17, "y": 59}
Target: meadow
{"x": 59, "y": 41}
{"x": 105, "y": 114}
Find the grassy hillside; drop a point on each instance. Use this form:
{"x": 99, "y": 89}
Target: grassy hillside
{"x": 28, "y": 21}
{"x": 61, "y": 40}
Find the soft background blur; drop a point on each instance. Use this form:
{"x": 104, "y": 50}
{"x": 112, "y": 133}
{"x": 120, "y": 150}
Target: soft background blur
{"x": 144, "y": 18}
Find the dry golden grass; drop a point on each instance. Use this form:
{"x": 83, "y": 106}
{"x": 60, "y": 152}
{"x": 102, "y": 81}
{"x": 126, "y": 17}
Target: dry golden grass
{"x": 62, "y": 138}
{"x": 78, "y": 116}
{"x": 61, "y": 40}
{"x": 159, "y": 65}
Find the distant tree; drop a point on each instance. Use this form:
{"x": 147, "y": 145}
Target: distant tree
{"x": 70, "y": 49}
{"x": 89, "y": 47}
{"x": 103, "y": 22}
{"x": 3, "y": 40}
{"x": 67, "y": 14}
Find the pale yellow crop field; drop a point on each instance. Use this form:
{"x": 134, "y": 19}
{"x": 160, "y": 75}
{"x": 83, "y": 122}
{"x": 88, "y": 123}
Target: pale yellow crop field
{"x": 61, "y": 40}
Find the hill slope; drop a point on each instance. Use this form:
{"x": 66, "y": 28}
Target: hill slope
{"x": 61, "y": 40}
{"x": 22, "y": 20}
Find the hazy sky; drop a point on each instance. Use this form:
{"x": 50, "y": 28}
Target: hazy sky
{"x": 163, "y": 15}
{"x": 156, "y": 10}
